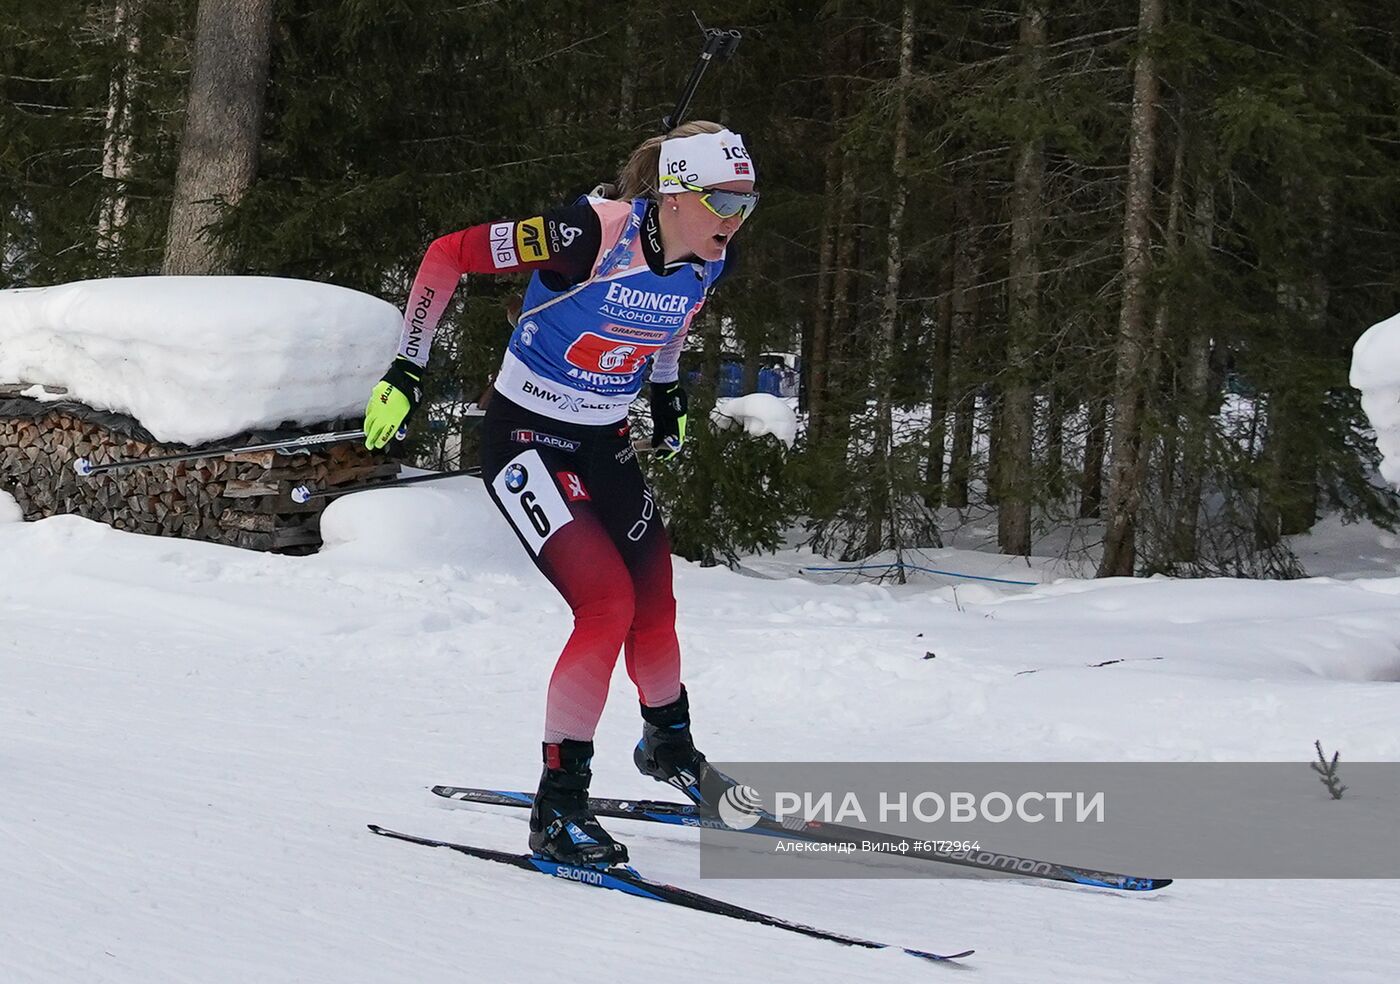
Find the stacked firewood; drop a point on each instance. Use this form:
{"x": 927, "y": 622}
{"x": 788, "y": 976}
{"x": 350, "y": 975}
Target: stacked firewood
{"x": 241, "y": 500}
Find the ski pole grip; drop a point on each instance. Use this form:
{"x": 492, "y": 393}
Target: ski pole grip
{"x": 728, "y": 41}
{"x": 719, "y": 44}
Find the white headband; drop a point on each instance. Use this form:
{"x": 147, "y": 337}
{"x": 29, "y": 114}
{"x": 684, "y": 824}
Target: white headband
{"x": 703, "y": 160}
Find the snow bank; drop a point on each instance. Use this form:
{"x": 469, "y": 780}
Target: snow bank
{"x": 450, "y": 523}
{"x": 196, "y": 359}
{"x": 758, "y": 414}
{"x": 1375, "y": 371}
{"x": 9, "y": 509}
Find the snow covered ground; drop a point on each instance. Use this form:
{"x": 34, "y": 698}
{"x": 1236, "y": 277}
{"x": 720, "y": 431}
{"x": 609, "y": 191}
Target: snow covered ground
{"x": 192, "y": 739}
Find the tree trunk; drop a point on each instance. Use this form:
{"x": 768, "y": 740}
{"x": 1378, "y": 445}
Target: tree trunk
{"x": 836, "y": 417}
{"x": 1055, "y": 443}
{"x": 1160, "y": 415}
{"x": 753, "y": 362}
{"x": 883, "y": 511}
{"x": 1012, "y": 477}
{"x": 960, "y": 456}
{"x": 991, "y": 407}
{"x": 940, "y": 375}
{"x": 816, "y": 369}
{"x": 1195, "y": 382}
{"x": 223, "y": 128}
{"x": 1125, "y": 490}
{"x": 117, "y": 141}
{"x": 1290, "y": 502}
{"x": 1091, "y": 480}
{"x": 967, "y": 273}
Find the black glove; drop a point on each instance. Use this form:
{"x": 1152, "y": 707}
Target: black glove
{"x": 668, "y": 411}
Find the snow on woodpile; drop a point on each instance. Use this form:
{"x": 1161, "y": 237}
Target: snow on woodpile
{"x": 196, "y": 359}
{"x": 138, "y": 368}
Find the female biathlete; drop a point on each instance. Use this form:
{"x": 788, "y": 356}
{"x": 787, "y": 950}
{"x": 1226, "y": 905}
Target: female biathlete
{"x": 614, "y": 287}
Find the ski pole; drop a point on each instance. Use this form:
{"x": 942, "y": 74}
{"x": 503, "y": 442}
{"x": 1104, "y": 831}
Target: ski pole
{"x": 294, "y": 445}
{"x": 719, "y": 45}
{"x": 304, "y": 493}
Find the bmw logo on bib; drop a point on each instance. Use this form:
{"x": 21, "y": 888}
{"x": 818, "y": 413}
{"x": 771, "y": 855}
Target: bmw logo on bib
{"x": 516, "y": 477}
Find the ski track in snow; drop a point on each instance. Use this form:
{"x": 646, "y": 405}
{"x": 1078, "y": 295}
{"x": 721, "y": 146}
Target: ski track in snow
{"x": 192, "y": 739}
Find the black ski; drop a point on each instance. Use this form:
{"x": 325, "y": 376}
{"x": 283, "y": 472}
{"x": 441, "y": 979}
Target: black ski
{"x": 689, "y": 815}
{"x": 625, "y": 879}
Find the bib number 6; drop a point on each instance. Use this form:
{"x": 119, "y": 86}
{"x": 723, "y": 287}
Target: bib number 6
{"x": 538, "y": 519}
{"x": 531, "y": 500}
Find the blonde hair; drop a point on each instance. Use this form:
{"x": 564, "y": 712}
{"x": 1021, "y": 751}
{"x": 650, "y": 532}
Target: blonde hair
{"x": 637, "y": 179}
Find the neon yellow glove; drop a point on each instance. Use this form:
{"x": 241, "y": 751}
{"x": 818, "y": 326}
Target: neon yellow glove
{"x": 391, "y": 402}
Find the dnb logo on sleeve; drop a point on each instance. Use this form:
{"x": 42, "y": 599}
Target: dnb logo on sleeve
{"x": 503, "y": 252}
{"x": 531, "y": 499}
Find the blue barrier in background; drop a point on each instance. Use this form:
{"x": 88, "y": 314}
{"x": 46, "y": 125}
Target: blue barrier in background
{"x": 731, "y": 380}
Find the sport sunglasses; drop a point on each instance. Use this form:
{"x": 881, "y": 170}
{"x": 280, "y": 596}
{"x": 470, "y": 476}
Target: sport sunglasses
{"x": 726, "y": 204}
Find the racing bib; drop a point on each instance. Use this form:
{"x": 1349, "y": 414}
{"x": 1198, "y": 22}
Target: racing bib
{"x": 531, "y": 499}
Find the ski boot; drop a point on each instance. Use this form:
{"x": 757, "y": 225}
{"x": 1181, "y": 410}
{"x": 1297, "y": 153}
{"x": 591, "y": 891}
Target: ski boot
{"x": 667, "y": 753}
{"x": 562, "y": 827}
